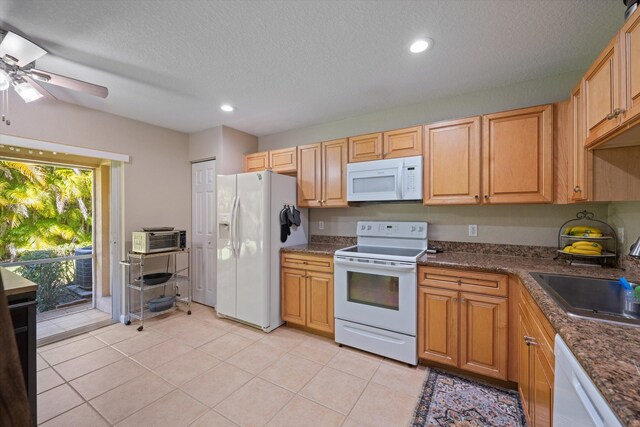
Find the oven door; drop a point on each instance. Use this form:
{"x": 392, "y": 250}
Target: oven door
{"x": 377, "y": 293}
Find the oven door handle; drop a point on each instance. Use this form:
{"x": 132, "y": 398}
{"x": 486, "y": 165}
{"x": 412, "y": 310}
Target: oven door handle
{"x": 397, "y": 267}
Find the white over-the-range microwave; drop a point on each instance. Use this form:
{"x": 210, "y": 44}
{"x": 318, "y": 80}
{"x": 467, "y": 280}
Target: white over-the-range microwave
{"x": 385, "y": 180}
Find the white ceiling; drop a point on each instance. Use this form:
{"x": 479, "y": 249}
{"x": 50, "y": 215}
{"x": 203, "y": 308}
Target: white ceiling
{"x": 290, "y": 64}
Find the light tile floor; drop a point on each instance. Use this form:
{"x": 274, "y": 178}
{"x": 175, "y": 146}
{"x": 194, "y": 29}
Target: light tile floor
{"x": 59, "y": 321}
{"x": 199, "y": 370}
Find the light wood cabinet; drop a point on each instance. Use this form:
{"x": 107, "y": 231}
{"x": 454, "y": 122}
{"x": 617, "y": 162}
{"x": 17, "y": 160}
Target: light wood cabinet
{"x": 388, "y": 145}
{"x": 402, "y": 143}
{"x": 256, "y": 162}
{"x": 517, "y": 156}
{"x": 536, "y": 362}
{"x": 601, "y": 95}
{"x": 365, "y": 147}
{"x": 452, "y": 162}
{"x": 284, "y": 161}
{"x": 465, "y": 329}
{"x": 578, "y": 180}
{"x": 322, "y": 174}
{"x": 629, "y": 43}
{"x": 438, "y": 325}
{"x": 307, "y": 291}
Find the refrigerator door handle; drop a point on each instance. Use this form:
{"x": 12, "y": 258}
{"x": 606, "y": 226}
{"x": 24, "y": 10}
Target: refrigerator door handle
{"x": 232, "y": 226}
{"x": 236, "y": 239}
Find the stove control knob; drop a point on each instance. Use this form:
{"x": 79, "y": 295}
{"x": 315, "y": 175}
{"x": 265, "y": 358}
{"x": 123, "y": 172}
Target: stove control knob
{"x": 362, "y": 227}
{"x": 413, "y": 228}
{"x": 368, "y": 227}
{"x": 420, "y": 228}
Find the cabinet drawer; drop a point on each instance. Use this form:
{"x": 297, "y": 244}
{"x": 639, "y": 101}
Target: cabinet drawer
{"x": 467, "y": 281}
{"x": 308, "y": 262}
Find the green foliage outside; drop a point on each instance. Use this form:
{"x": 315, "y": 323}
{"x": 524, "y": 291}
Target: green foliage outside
{"x": 43, "y": 207}
{"x": 45, "y": 212}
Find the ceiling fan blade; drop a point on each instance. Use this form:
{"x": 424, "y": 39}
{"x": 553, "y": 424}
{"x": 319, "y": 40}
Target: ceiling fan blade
{"x": 45, "y": 93}
{"x": 68, "y": 82}
{"x": 20, "y": 48}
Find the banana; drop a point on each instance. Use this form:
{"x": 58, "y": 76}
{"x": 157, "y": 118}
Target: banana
{"x": 583, "y": 230}
{"x": 582, "y": 251}
{"x": 587, "y": 245}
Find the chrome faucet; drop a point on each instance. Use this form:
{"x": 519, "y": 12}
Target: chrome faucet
{"x": 635, "y": 249}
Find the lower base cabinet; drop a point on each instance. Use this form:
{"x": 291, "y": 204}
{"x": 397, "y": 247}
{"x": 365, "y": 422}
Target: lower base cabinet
{"x": 536, "y": 362}
{"x": 467, "y": 330}
{"x": 307, "y": 292}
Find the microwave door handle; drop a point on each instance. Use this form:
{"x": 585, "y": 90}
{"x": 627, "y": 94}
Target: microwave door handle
{"x": 399, "y": 180}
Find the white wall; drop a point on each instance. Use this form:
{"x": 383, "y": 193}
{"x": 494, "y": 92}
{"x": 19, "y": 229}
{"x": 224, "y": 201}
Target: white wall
{"x": 535, "y": 92}
{"x": 508, "y": 224}
{"x": 157, "y": 180}
{"x": 227, "y": 145}
{"x": 627, "y": 216}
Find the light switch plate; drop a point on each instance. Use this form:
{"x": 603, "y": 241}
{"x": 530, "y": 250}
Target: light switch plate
{"x": 473, "y": 230}
{"x": 320, "y": 225}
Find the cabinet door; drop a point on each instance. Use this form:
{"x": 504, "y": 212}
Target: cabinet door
{"x": 517, "y": 156}
{"x": 365, "y": 147}
{"x": 403, "y": 143}
{"x": 484, "y": 334}
{"x": 542, "y": 389}
{"x": 320, "y": 301}
{"x": 524, "y": 363}
{"x": 334, "y": 173}
{"x": 256, "y": 162}
{"x": 309, "y": 175}
{"x": 452, "y": 162}
{"x": 284, "y": 161}
{"x": 578, "y": 180}
{"x": 600, "y": 92}
{"x": 438, "y": 325}
{"x": 630, "y": 66}
{"x": 294, "y": 296}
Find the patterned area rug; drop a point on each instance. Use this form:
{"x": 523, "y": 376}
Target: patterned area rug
{"x": 451, "y": 400}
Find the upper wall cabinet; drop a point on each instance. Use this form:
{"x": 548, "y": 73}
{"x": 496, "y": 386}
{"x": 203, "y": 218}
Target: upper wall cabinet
{"x": 284, "y": 160}
{"x": 601, "y": 95}
{"x": 322, "y": 173}
{"x": 452, "y": 162}
{"x": 403, "y": 142}
{"x": 376, "y": 146}
{"x": 365, "y": 147}
{"x": 517, "y": 156}
{"x": 629, "y": 42}
{"x": 256, "y": 162}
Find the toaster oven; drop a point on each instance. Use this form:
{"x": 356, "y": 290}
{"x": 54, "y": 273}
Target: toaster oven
{"x": 148, "y": 242}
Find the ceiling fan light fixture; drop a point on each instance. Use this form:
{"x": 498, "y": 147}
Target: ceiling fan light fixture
{"x": 27, "y": 92}
{"x": 11, "y": 60}
{"x": 227, "y": 108}
{"x": 41, "y": 77}
{"x": 5, "y": 80}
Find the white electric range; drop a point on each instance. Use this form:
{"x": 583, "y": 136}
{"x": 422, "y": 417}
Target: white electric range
{"x": 375, "y": 289}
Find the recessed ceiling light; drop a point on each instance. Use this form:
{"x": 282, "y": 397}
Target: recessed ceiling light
{"x": 226, "y": 107}
{"x": 421, "y": 45}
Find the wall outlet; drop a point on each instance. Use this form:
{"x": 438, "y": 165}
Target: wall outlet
{"x": 320, "y": 225}
{"x": 473, "y": 230}
{"x": 621, "y": 234}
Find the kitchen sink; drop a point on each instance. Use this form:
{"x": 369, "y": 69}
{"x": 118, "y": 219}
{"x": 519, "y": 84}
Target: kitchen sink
{"x": 597, "y": 299}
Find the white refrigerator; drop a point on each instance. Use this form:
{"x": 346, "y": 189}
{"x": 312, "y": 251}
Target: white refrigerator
{"x": 249, "y": 245}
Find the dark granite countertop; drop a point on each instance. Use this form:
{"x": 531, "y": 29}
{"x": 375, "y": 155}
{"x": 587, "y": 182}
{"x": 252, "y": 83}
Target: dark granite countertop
{"x": 315, "y": 248}
{"x": 609, "y": 353}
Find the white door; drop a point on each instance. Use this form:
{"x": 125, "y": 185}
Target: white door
{"x": 203, "y": 232}
{"x": 253, "y": 243}
{"x": 227, "y": 261}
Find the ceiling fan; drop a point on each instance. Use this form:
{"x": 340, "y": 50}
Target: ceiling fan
{"x": 17, "y": 69}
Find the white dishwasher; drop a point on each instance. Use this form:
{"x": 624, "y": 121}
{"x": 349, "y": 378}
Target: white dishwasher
{"x": 576, "y": 400}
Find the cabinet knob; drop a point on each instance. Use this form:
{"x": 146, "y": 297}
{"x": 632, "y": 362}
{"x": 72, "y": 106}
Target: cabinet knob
{"x": 477, "y": 197}
{"x": 577, "y": 189}
{"x": 618, "y": 111}
{"x": 455, "y": 300}
{"x": 459, "y": 281}
{"x": 462, "y": 300}
{"x": 486, "y": 196}
{"x": 611, "y": 116}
